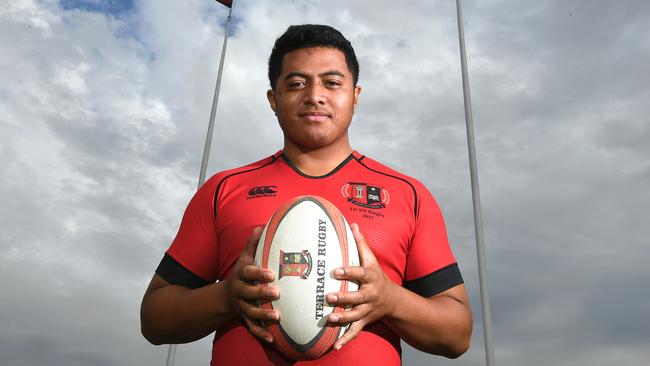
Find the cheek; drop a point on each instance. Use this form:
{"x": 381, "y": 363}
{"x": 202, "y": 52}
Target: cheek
{"x": 344, "y": 107}
{"x": 286, "y": 106}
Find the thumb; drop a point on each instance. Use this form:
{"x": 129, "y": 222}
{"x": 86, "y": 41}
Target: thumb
{"x": 251, "y": 246}
{"x": 365, "y": 254}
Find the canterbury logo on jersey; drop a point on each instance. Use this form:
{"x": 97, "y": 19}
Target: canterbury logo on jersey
{"x": 262, "y": 191}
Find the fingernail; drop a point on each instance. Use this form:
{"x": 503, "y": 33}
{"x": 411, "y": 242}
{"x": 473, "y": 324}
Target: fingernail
{"x": 338, "y": 346}
{"x": 334, "y": 318}
{"x": 269, "y": 339}
{"x": 332, "y": 299}
{"x": 268, "y": 276}
{"x": 272, "y": 315}
{"x": 338, "y": 272}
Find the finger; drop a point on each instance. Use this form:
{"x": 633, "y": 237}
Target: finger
{"x": 257, "y": 313}
{"x": 351, "y": 298}
{"x": 257, "y": 292}
{"x": 250, "y": 273}
{"x": 355, "y": 273}
{"x": 350, "y": 334}
{"x": 365, "y": 254}
{"x": 258, "y": 331}
{"x": 349, "y": 316}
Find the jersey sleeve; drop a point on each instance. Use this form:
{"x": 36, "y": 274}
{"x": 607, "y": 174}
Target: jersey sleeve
{"x": 430, "y": 264}
{"x": 191, "y": 260}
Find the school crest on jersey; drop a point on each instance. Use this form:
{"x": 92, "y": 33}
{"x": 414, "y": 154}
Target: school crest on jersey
{"x": 295, "y": 264}
{"x": 366, "y": 195}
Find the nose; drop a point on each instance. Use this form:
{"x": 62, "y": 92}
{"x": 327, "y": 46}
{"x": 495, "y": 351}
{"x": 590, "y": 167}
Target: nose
{"x": 314, "y": 94}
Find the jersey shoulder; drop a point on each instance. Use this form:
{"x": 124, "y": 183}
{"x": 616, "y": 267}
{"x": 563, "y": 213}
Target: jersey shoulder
{"x": 421, "y": 195}
{"x": 221, "y": 176}
{"x": 383, "y": 169}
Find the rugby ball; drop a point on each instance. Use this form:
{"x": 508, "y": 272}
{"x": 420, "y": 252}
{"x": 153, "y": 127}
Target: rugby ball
{"x": 302, "y": 243}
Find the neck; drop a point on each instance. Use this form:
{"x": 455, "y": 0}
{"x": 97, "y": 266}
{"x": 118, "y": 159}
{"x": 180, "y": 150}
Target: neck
{"x": 317, "y": 161}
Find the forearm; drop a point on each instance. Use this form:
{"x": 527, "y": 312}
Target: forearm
{"x": 439, "y": 325}
{"x": 175, "y": 314}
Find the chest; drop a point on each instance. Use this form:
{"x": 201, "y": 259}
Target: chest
{"x": 382, "y": 209}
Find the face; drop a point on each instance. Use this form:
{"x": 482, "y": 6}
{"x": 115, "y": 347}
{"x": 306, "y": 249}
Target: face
{"x": 314, "y": 98}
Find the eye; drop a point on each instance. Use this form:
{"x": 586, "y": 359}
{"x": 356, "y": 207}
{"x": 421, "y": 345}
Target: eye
{"x": 332, "y": 83}
{"x": 296, "y": 84}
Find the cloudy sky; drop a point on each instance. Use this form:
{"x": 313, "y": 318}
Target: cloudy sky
{"x": 103, "y": 112}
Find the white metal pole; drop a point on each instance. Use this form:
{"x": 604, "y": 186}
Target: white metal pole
{"x": 215, "y": 102}
{"x": 171, "y": 355}
{"x": 476, "y": 198}
{"x": 171, "y": 352}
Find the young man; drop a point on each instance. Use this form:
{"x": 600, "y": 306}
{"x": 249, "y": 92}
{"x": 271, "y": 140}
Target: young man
{"x": 410, "y": 285}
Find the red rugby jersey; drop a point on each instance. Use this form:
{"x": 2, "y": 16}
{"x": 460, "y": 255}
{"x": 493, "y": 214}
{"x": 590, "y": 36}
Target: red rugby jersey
{"x": 398, "y": 216}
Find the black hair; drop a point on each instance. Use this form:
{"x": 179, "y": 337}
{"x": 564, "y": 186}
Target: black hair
{"x": 310, "y": 35}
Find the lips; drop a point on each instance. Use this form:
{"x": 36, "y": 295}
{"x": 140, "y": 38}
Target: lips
{"x": 315, "y": 115}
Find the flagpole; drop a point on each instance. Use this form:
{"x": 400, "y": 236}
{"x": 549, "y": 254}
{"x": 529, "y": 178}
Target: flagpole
{"x": 215, "y": 102}
{"x": 171, "y": 352}
{"x": 476, "y": 198}
{"x": 171, "y": 355}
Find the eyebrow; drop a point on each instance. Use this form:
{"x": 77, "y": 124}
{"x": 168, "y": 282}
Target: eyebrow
{"x": 305, "y": 76}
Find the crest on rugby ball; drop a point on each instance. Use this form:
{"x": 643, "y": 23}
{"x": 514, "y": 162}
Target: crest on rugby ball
{"x": 295, "y": 264}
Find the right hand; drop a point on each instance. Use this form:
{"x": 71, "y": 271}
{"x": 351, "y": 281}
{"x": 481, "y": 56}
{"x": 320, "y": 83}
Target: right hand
{"x": 244, "y": 290}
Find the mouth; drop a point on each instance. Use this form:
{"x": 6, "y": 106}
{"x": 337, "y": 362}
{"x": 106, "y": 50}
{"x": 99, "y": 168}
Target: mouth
{"x": 315, "y": 116}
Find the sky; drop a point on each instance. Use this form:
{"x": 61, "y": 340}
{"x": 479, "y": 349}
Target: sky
{"x": 103, "y": 113}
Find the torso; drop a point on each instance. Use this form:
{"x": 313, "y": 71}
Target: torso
{"x": 382, "y": 202}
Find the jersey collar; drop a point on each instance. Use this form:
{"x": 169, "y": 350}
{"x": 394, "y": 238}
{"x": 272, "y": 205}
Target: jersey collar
{"x": 353, "y": 155}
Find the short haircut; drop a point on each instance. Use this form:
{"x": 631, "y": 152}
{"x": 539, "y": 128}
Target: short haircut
{"x": 306, "y": 36}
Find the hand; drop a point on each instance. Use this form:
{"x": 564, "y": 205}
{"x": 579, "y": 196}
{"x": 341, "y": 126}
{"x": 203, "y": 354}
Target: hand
{"x": 374, "y": 299}
{"x": 244, "y": 290}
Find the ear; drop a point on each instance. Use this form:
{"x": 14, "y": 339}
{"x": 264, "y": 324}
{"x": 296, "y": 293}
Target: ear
{"x": 270, "y": 96}
{"x": 357, "y": 92}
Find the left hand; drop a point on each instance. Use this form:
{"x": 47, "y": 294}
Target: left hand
{"x": 374, "y": 299}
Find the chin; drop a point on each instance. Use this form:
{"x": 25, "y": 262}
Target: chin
{"x": 312, "y": 141}
{"x": 313, "y": 144}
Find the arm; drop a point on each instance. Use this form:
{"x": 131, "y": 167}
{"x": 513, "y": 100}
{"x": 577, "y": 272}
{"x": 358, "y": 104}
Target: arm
{"x": 441, "y": 324}
{"x": 176, "y": 314}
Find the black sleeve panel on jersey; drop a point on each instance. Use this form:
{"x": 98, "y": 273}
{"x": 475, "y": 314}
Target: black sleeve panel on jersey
{"x": 436, "y": 282}
{"x": 174, "y": 273}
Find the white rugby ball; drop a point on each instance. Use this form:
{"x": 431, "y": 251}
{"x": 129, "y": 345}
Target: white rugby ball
{"x": 302, "y": 243}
